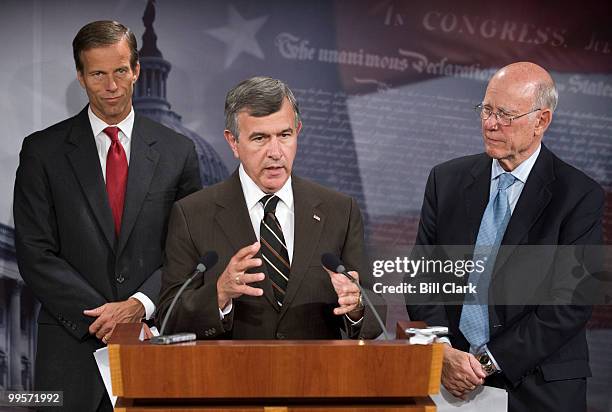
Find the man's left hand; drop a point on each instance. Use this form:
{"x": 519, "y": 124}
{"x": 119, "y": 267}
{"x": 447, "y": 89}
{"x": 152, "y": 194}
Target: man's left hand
{"x": 348, "y": 294}
{"x": 109, "y": 314}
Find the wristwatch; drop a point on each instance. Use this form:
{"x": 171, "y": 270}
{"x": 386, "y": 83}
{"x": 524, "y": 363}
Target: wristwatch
{"x": 487, "y": 364}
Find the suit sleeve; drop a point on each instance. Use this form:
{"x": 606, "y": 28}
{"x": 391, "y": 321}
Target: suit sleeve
{"x": 188, "y": 183}
{"x": 197, "y": 309}
{"x": 354, "y": 257}
{"x": 58, "y": 286}
{"x": 424, "y": 244}
{"x": 543, "y": 331}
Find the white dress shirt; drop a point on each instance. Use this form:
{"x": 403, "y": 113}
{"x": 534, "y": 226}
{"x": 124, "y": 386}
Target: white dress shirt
{"x": 284, "y": 209}
{"x": 103, "y": 143}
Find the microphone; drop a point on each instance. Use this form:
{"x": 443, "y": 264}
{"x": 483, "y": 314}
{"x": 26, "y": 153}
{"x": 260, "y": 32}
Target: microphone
{"x": 204, "y": 262}
{"x": 332, "y": 263}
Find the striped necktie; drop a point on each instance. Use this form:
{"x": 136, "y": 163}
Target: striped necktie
{"x": 474, "y": 321}
{"x": 273, "y": 248}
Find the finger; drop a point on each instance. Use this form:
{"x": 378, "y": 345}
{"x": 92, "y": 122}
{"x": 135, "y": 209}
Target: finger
{"x": 101, "y": 333}
{"x": 251, "y": 291}
{"x": 354, "y": 274}
{"x": 246, "y": 264}
{"x": 147, "y": 331}
{"x": 95, "y": 312}
{"x": 348, "y": 300}
{"x": 471, "y": 379}
{"x": 96, "y": 326}
{"x": 252, "y": 277}
{"x": 246, "y": 252}
{"x": 343, "y": 310}
{"x": 477, "y": 367}
{"x": 454, "y": 391}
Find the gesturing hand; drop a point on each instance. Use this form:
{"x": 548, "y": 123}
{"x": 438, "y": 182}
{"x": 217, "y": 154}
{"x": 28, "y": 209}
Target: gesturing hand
{"x": 234, "y": 281}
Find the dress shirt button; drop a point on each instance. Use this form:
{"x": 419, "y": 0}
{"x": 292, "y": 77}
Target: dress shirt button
{"x": 120, "y": 278}
{"x": 281, "y": 336}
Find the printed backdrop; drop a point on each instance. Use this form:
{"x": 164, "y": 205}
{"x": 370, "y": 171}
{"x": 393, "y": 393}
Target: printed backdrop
{"x": 386, "y": 90}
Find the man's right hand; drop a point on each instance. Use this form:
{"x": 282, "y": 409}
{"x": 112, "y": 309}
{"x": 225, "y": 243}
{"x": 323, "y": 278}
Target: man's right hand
{"x": 461, "y": 372}
{"x": 234, "y": 281}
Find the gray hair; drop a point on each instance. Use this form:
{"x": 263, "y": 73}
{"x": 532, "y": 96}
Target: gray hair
{"x": 546, "y": 96}
{"x": 259, "y": 97}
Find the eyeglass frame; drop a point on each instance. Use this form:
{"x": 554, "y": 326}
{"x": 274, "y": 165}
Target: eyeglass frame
{"x": 479, "y": 108}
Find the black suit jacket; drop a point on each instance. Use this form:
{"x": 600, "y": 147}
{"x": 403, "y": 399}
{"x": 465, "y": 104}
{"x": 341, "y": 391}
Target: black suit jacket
{"x": 67, "y": 250}
{"x": 559, "y": 205}
{"x": 216, "y": 218}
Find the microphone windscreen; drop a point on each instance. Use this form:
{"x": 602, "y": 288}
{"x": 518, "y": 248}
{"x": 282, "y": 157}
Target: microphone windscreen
{"x": 331, "y": 262}
{"x": 209, "y": 259}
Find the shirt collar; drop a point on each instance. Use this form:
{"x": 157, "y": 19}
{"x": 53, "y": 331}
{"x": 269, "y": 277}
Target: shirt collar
{"x": 522, "y": 171}
{"x": 98, "y": 125}
{"x": 253, "y": 194}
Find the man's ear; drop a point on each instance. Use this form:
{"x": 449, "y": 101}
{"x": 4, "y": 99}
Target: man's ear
{"x": 81, "y": 78}
{"x": 232, "y": 142}
{"x": 136, "y": 72}
{"x": 543, "y": 122}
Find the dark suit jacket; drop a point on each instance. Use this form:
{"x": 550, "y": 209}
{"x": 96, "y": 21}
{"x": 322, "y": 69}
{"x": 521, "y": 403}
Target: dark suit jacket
{"x": 216, "y": 218}
{"x": 559, "y": 205}
{"x": 67, "y": 250}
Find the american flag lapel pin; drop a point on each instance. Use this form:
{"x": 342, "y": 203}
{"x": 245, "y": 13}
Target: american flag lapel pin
{"x": 317, "y": 218}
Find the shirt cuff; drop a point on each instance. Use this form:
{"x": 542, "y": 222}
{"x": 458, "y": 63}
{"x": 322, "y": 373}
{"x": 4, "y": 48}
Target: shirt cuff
{"x": 353, "y": 322}
{"x": 444, "y": 339}
{"x": 223, "y": 313}
{"x": 492, "y": 358}
{"x": 149, "y": 307}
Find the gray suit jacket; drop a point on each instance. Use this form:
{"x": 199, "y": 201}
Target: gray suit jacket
{"x": 67, "y": 250}
{"x": 216, "y": 218}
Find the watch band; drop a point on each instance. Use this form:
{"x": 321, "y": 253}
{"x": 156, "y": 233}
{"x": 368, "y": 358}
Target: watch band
{"x": 487, "y": 364}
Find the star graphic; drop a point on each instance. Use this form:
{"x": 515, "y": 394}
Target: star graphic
{"x": 239, "y": 36}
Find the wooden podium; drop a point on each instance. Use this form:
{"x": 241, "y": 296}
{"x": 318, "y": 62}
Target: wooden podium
{"x": 272, "y": 376}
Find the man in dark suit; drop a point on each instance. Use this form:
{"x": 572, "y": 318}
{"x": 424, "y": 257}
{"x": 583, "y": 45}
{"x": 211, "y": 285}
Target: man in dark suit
{"x": 90, "y": 229}
{"x": 269, "y": 228}
{"x": 517, "y": 193}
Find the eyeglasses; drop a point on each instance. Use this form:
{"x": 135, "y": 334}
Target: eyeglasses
{"x": 502, "y": 118}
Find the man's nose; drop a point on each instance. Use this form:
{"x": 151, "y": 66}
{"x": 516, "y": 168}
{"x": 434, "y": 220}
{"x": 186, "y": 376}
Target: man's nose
{"x": 491, "y": 123}
{"x": 274, "y": 148}
{"x": 111, "y": 84}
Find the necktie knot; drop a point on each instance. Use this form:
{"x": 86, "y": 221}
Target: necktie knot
{"x": 113, "y": 133}
{"x": 269, "y": 203}
{"x": 505, "y": 181}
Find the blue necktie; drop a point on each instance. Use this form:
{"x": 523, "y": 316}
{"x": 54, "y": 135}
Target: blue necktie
{"x": 474, "y": 322}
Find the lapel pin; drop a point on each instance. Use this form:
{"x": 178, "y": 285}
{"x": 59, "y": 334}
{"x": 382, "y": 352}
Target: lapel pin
{"x": 317, "y": 218}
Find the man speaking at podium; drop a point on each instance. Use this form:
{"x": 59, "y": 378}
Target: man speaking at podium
{"x": 270, "y": 229}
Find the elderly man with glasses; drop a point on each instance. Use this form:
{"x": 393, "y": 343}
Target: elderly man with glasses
{"x": 516, "y": 194}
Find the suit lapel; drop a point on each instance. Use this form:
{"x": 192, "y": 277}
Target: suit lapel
{"x": 532, "y": 202}
{"x": 234, "y": 220}
{"x": 143, "y": 161}
{"x": 476, "y": 195}
{"x": 83, "y": 156}
{"x": 306, "y": 236}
